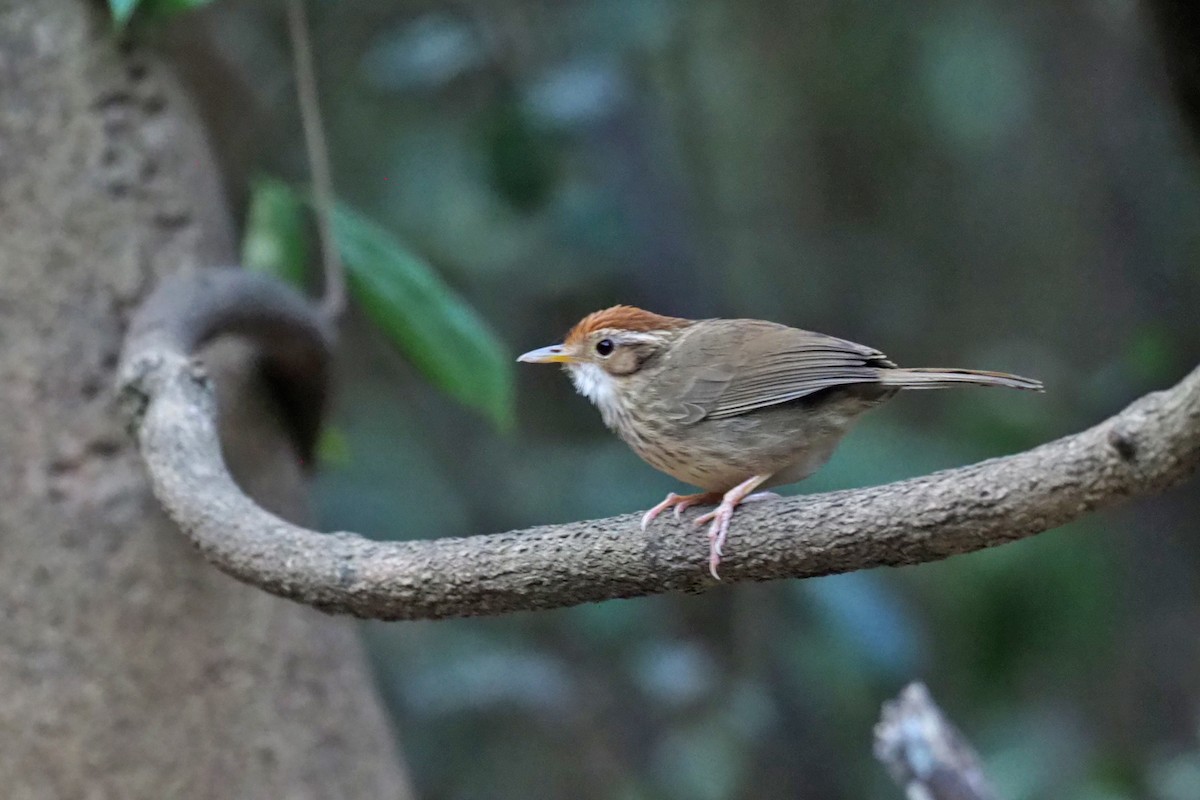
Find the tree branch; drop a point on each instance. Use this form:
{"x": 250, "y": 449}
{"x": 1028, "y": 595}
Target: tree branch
{"x": 1151, "y": 445}
{"x": 924, "y": 753}
{"x": 294, "y": 338}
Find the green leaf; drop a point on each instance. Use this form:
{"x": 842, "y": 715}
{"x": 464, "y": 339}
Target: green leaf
{"x": 434, "y": 327}
{"x": 122, "y": 10}
{"x": 276, "y": 238}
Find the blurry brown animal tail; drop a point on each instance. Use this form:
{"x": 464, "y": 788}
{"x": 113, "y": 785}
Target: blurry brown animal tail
{"x": 934, "y": 378}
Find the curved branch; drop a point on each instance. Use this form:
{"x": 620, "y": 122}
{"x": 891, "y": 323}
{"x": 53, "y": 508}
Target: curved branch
{"x": 1152, "y": 444}
{"x": 295, "y": 340}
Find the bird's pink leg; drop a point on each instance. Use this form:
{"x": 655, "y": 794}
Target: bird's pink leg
{"x": 680, "y": 501}
{"x": 723, "y": 513}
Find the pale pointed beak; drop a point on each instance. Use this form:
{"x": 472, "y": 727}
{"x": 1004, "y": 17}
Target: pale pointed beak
{"x": 555, "y": 353}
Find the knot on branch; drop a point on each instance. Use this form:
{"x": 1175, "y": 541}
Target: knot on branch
{"x": 146, "y": 375}
{"x": 1124, "y": 441}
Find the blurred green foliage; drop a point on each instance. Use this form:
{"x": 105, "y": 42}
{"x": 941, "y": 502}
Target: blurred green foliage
{"x": 520, "y": 157}
{"x": 439, "y": 332}
{"x": 123, "y": 10}
{"x": 973, "y": 184}
{"x": 276, "y": 239}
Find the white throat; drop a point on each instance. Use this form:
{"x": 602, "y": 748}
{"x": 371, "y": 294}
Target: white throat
{"x": 597, "y": 385}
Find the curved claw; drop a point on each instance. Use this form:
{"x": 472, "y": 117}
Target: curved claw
{"x": 719, "y": 516}
{"x": 649, "y": 516}
{"x": 680, "y": 502}
{"x": 723, "y": 513}
{"x": 716, "y": 536}
{"x": 690, "y": 500}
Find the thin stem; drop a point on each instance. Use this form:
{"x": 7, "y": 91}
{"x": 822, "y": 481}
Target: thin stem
{"x": 334, "y": 301}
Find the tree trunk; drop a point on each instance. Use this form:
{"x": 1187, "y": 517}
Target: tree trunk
{"x": 128, "y": 666}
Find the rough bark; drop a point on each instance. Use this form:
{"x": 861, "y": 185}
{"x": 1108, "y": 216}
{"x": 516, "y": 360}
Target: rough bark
{"x": 1151, "y": 445}
{"x": 128, "y": 667}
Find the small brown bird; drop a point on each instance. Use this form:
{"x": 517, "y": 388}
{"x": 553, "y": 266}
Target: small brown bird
{"x": 732, "y": 405}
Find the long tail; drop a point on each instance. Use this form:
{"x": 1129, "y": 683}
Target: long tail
{"x": 934, "y": 378}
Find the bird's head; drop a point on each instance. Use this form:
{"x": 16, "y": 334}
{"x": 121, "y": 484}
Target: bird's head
{"x": 607, "y": 348}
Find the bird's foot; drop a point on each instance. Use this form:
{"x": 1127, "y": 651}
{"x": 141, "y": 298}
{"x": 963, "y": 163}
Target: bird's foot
{"x": 723, "y": 513}
{"x": 717, "y": 532}
{"x": 754, "y": 498}
{"x": 680, "y": 502}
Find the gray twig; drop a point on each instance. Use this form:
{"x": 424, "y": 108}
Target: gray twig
{"x": 1151, "y": 445}
{"x": 925, "y": 754}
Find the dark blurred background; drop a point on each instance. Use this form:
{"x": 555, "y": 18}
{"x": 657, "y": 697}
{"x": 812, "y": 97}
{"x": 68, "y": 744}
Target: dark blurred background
{"x": 980, "y": 184}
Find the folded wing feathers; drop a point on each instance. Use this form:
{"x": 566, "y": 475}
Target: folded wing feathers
{"x": 934, "y": 378}
{"x": 819, "y": 362}
{"x": 749, "y": 401}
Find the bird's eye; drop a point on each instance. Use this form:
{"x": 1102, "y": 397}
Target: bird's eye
{"x": 604, "y": 346}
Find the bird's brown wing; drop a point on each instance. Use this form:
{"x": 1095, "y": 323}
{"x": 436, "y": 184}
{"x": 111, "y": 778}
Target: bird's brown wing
{"x": 770, "y": 364}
